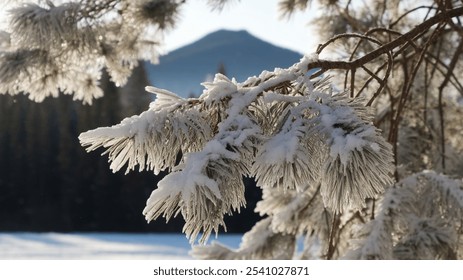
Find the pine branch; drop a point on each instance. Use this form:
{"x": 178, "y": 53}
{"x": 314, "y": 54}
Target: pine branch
{"x": 322, "y": 136}
{"x": 258, "y": 244}
{"x": 419, "y": 218}
{"x": 77, "y": 41}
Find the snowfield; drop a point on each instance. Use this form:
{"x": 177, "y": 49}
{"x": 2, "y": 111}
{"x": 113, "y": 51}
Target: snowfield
{"x": 108, "y": 246}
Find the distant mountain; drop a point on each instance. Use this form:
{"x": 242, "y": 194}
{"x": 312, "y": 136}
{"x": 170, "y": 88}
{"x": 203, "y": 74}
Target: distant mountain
{"x": 240, "y": 54}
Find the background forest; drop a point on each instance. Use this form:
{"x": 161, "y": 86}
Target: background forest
{"x": 48, "y": 183}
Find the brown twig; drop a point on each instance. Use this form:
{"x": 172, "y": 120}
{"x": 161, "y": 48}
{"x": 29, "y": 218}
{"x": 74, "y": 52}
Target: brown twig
{"x": 388, "y": 47}
{"x": 409, "y": 12}
{"x": 452, "y": 65}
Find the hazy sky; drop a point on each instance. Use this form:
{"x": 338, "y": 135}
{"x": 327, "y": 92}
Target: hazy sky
{"x": 259, "y": 17}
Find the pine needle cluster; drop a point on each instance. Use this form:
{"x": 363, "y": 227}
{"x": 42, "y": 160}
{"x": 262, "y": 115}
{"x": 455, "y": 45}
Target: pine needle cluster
{"x": 49, "y": 48}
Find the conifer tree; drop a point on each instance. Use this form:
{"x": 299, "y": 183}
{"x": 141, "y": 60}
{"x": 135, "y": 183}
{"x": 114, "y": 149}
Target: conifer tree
{"x": 362, "y": 158}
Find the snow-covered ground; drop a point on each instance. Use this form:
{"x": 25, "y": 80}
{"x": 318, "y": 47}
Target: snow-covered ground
{"x": 90, "y": 246}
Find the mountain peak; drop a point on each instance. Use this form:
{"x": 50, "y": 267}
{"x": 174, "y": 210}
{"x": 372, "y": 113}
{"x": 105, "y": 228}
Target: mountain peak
{"x": 219, "y": 38}
{"x": 227, "y": 32}
{"x": 241, "y": 54}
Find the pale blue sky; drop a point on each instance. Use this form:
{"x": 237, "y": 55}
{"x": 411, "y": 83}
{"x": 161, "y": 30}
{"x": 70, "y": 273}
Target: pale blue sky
{"x": 259, "y": 17}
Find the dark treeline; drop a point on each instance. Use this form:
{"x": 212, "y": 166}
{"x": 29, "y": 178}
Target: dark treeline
{"x": 49, "y": 183}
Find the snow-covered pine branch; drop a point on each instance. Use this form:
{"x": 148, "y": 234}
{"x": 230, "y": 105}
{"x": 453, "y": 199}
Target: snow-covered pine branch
{"x": 330, "y": 138}
{"x": 155, "y": 138}
{"x": 237, "y": 129}
{"x": 291, "y": 211}
{"x": 420, "y": 218}
{"x": 261, "y": 242}
{"x": 49, "y": 47}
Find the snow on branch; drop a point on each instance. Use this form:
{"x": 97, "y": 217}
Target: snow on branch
{"x": 279, "y": 127}
{"x": 203, "y": 189}
{"x": 288, "y": 160}
{"x": 360, "y": 160}
{"x": 326, "y": 137}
